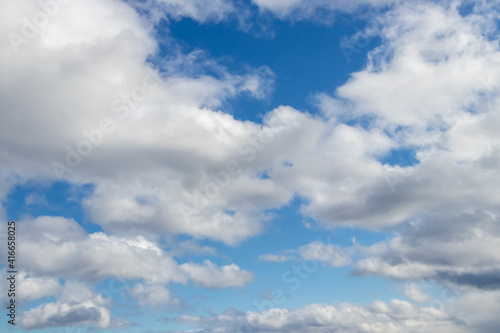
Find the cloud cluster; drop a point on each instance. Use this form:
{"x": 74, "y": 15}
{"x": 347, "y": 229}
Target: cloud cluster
{"x": 106, "y": 91}
{"x": 165, "y": 160}
{"x": 171, "y": 176}
{"x": 397, "y": 316}
{"x": 56, "y": 248}
{"x": 61, "y": 248}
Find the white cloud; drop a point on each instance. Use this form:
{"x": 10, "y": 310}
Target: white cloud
{"x": 60, "y": 248}
{"x": 433, "y": 65}
{"x": 208, "y": 274}
{"x": 76, "y": 306}
{"x": 430, "y": 66}
{"x": 177, "y": 140}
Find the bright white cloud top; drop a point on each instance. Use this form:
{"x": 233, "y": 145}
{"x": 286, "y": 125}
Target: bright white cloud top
{"x": 164, "y": 178}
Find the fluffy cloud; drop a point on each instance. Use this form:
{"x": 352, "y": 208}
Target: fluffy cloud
{"x": 431, "y": 89}
{"x": 208, "y": 274}
{"x": 428, "y": 71}
{"x": 177, "y": 138}
{"x": 77, "y": 305}
{"x": 60, "y": 248}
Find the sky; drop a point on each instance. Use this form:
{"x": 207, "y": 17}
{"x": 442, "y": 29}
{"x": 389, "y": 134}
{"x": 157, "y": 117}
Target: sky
{"x": 250, "y": 166}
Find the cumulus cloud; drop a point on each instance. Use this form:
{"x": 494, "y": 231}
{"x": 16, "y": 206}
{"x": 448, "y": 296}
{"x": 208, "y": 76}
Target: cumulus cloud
{"x": 60, "y": 248}
{"x": 77, "y": 305}
{"x": 429, "y": 87}
{"x": 63, "y": 314}
{"x": 423, "y": 45}
{"x": 180, "y": 136}
{"x": 208, "y": 274}
{"x": 56, "y": 248}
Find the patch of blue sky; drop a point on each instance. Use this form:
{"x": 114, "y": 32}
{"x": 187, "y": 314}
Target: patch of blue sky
{"x": 466, "y": 8}
{"x": 39, "y": 302}
{"x": 33, "y": 199}
{"x": 291, "y": 230}
{"x": 264, "y": 174}
{"x": 403, "y": 157}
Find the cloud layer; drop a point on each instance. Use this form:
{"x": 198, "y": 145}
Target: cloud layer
{"x": 91, "y": 101}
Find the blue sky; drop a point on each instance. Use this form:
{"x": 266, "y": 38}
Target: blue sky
{"x": 251, "y": 165}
